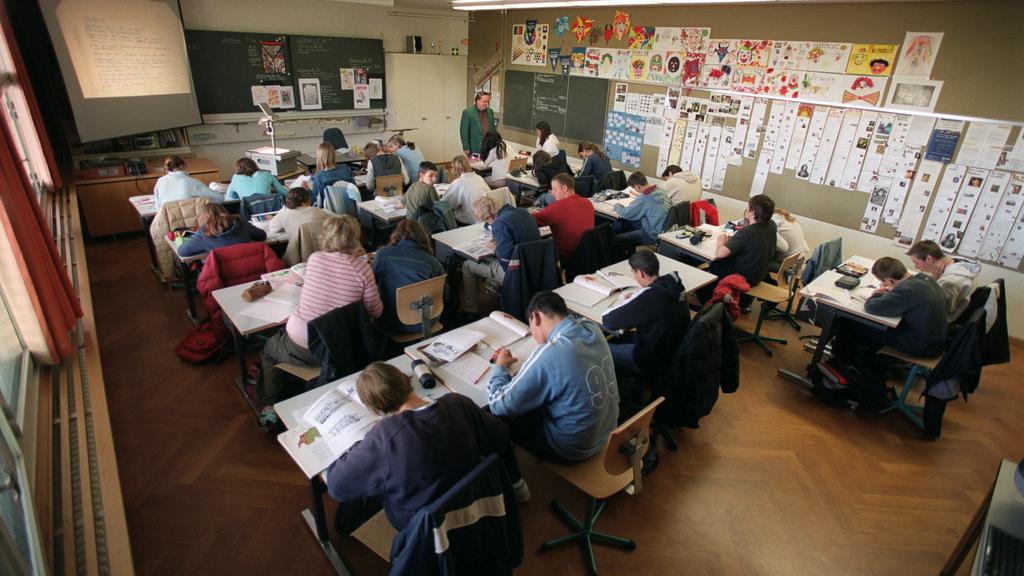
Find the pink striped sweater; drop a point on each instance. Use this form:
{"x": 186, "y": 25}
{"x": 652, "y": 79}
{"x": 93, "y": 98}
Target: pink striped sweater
{"x": 332, "y": 280}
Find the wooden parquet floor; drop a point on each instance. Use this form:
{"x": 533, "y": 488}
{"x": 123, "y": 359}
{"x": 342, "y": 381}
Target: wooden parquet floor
{"x": 773, "y": 482}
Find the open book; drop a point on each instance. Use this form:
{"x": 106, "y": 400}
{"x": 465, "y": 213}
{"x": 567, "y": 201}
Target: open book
{"x": 604, "y": 283}
{"x": 501, "y": 329}
{"x": 621, "y": 300}
{"x": 293, "y": 275}
{"x": 450, "y": 345}
{"x": 477, "y": 248}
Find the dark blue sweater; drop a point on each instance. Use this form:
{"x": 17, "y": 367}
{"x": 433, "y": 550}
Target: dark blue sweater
{"x": 400, "y": 265}
{"x": 238, "y": 233}
{"x": 512, "y": 226}
{"x": 411, "y": 458}
{"x": 596, "y": 166}
{"x": 325, "y": 178}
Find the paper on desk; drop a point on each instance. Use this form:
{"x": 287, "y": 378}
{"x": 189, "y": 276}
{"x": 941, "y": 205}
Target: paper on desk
{"x": 450, "y": 345}
{"x": 269, "y": 310}
{"x": 286, "y": 294}
{"x": 309, "y": 450}
{"x": 580, "y": 295}
{"x": 501, "y": 329}
{"x": 469, "y": 367}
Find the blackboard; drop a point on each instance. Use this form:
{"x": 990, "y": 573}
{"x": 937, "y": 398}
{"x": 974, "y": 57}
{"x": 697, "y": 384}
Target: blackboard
{"x": 225, "y": 65}
{"x": 323, "y": 56}
{"x": 575, "y": 106}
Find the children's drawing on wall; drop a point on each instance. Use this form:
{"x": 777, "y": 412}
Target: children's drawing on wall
{"x": 582, "y": 27}
{"x": 561, "y": 25}
{"x": 865, "y": 89}
{"x": 914, "y": 94}
{"x": 620, "y": 24}
{"x": 919, "y": 52}
{"x": 641, "y": 37}
{"x": 872, "y": 59}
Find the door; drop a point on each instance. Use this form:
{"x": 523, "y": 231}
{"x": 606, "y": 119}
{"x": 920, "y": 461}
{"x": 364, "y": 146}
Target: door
{"x": 414, "y": 96}
{"x": 455, "y": 101}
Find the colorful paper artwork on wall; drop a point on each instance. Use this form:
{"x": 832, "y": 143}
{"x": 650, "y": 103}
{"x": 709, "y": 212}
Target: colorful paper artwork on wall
{"x": 553, "y": 54}
{"x": 673, "y": 67}
{"x": 641, "y": 37}
{"x": 593, "y": 61}
{"x": 620, "y": 24}
{"x": 715, "y": 76}
{"x": 753, "y": 53}
{"x": 624, "y": 138}
{"x": 561, "y": 25}
{"x": 565, "y": 62}
{"x": 721, "y": 52}
{"x": 747, "y": 79}
{"x": 608, "y": 31}
{"x": 668, "y": 39}
{"x": 918, "y": 54}
{"x": 637, "y": 67}
{"x": 816, "y": 56}
{"x": 656, "y": 67}
{"x": 579, "y": 59}
{"x": 606, "y": 63}
{"x": 872, "y": 59}
{"x": 581, "y": 27}
{"x": 785, "y": 83}
{"x": 864, "y": 90}
{"x": 530, "y": 44}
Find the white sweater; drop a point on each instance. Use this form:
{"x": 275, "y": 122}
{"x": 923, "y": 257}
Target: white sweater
{"x": 462, "y": 193}
{"x": 550, "y": 145}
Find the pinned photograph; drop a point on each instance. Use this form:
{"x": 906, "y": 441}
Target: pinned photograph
{"x": 309, "y": 92}
{"x": 914, "y": 94}
{"x": 287, "y": 97}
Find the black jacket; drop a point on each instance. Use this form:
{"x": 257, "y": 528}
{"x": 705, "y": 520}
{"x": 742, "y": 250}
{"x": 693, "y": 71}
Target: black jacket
{"x": 593, "y": 253}
{"x": 548, "y": 171}
{"x": 708, "y": 359}
{"x": 963, "y": 358}
{"x": 533, "y": 268}
{"x": 653, "y": 312}
{"x": 344, "y": 341}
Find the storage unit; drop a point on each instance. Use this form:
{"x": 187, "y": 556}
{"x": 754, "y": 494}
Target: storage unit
{"x": 428, "y": 92}
{"x": 104, "y": 201}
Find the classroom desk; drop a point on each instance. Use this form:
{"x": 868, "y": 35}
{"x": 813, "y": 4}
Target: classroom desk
{"x": 145, "y": 206}
{"x": 445, "y": 242}
{"x": 670, "y": 244}
{"x": 524, "y": 180}
{"x": 834, "y": 302}
{"x": 606, "y": 208}
{"x": 185, "y": 267}
{"x": 375, "y": 219}
{"x": 692, "y": 278}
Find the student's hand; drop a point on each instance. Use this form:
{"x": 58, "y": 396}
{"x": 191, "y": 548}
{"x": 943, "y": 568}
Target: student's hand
{"x": 883, "y": 289}
{"x": 505, "y": 358}
{"x": 492, "y": 246}
{"x": 721, "y": 239}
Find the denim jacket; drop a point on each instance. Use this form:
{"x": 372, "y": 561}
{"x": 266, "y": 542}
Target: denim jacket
{"x": 396, "y": 266}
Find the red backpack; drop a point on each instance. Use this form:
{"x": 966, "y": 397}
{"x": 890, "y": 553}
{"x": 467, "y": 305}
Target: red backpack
{"x": 203, "y": 343}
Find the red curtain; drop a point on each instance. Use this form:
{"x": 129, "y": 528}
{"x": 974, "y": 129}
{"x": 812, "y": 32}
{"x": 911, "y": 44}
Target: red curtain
{"x": 53, "y": 296}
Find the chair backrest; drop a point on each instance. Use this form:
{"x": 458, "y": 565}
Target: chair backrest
{"x": 678, "y": 215}
{"x": 560, "y": 157}
{"x": 409, "y": 298}
{"x": 260, "y": 204}
{"x": 336, "y": 138}
{"x": 584, "y": 185}
{"x": 789, "y": 272}
{"x": 344, "y": 341}
{"x": 533, "y": 268}
{"x": 516, "y": 165}
{"x": 825, "y": 256}
{"x": 444, "y": 171}
{"x": 628, "y": 443}
{"x": 614, "y": 180}
{"x": 302, "y": 247}
{"x": 593, "y": 252}
{"x": 388, "y": 185}
{"x": 502, "y": 197}
{"x": 445, "y": 215}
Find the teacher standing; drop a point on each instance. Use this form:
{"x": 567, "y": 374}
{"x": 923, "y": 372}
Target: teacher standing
{"x": 477, "y": 120}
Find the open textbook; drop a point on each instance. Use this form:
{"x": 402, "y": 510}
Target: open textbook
{"x": 480, "y": 247}
{"x": 450, "y": 345}
{"x": 293, "y": 275}
{"x": 501, "y": 329}
{"x": 605, "y": 282}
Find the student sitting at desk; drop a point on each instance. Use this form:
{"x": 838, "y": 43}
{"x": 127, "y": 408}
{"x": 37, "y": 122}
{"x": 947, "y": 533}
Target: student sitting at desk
{"x": 466, "y": 188}
{"x": 217, "y": 228}
{"x": 681, "y": 185}
{"x": 564, "y": 402}
{"x": 249, "y": 180}
{"x": 176, "y": 184}
{"x": 409, "y": 156}
{"x": 956, "y": 276}
{"x": 327, "y": 171}
{"x": 298, "y": 210}
{"x": 415, "y": 454}
{"x": 494, "y": 153}
{"x": 569, "y": 217}
{"x": 383, "y": 163}
{"x": 406, "y": 259}
{"x": 749, "y": 251}
{"x": 920, "y": 304}
{"x": 654, "y": 310}
{"x": 642, "y": 220}
{"x": 420, "y": 197}
{"x": 789, "y": 236}
{"x": 336, "y": 275}
{"x": 545, "y": 167}
{"x": 595, "y": 161}
{"x": 510, "y": 226}
{"x": 546, "y": 141}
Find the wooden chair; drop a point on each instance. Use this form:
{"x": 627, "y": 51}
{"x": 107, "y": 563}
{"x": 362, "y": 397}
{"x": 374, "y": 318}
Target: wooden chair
{"x": 615, "y": 468}
{"x": 420, "y": 304}
{"x": 305, "y": 373}
{"x": 388, "y": 185}
{"x": 444, "y": 170}
{"x": 516, "y": 165}
{"x": 788, "y": 275}
{"x": 770, "y": 297}
{"x": 918, "y": 367}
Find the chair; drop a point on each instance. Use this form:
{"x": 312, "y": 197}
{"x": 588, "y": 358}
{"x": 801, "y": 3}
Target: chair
{"x": 918, "y": 367}
{"x": 593, "y": 253}
{"x": 260, "y": 204}
{"x": 770, "y": 297}
{"x": 614, "y": 180}
{"x": 788, "y": 275}
{"x": 533, "y": 268}
{"x": 305, "y": 373}
{"x": 420, "y": 304}
{"x": 443, "y": 171}
{"x": 502, "y": 197}
{"x": 344, "y": 341}
{"x": 172, "y": 215}
{"x": 516, "y": 165}
{"x": 336, "y": 138}
{"x": 338, "y": 200}
{"x": 388, "y": 185}
{"x": 231, "y": 266}
{"x": 678, "y": 216}
{"x": 584, "y": 186}
{"x": 304, "y": 244}
{"x": 616, "y": 467}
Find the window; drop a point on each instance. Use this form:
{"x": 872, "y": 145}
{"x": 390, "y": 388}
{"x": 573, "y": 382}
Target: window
{"x": 15, "y": 364}
{"x": 20, "y": 551}
{"x": 19, "y": 120}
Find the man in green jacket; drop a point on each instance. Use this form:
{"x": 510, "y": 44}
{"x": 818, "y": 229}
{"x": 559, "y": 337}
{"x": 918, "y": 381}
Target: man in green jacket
{"x": 477, "y": 120}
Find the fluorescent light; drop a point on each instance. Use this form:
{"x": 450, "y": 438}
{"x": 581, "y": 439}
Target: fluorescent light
{"x": 498, "y": 5}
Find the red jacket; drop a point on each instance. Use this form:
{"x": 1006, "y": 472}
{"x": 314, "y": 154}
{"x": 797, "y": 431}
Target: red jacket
{"x": 728, "y": 292}
{"x": 231, "y": 266}
{"x": 569, "y": 218}
{"x": 710, "y": 213}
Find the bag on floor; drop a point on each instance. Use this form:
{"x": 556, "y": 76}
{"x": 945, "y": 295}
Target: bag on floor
{"x": 204, "y": 343}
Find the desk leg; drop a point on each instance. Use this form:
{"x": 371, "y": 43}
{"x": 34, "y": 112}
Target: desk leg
{"x": 153, "y": 265}
{"x": 186, "y": 279}
{"x": 827, "y": 321}
{"x": 316, "y": 519}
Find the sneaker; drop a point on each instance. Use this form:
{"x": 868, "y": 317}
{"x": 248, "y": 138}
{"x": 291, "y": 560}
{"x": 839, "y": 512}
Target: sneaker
{"x": 522, "y": 491}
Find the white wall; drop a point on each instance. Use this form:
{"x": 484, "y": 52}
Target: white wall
{"x": 446, "y": 29}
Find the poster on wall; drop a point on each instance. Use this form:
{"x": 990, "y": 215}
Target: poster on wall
{"x": 872, "y": 59}
{"x": 814, "y": 56}
{"x": 624, "y": 138}
{"x": 620, "y": 24}
{"x": 309, "y": 92}
{"x": 530, "y": 44}
{"x": 864, "y": 90}
{"x": 1005, "y": 216}
{"x": 918, "y": 54}
{"x": 581, "y": 27}
{"x": 641, "y": 38}
{"x": 913, "y": 94}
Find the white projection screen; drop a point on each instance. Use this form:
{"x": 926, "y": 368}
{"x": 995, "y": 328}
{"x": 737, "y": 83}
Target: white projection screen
{"x": 124, "y": 64}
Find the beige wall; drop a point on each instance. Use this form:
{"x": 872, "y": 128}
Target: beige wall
{"x": 446, "y": 29}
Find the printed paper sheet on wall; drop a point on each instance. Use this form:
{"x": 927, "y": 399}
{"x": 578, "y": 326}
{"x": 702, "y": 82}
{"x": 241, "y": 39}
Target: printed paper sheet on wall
{"x": 624, "y": 138}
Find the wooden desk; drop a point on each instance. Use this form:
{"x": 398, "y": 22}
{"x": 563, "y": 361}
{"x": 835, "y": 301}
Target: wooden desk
{"x": 104, "y": 204}
{"x": 606, "y": 208}
{"x": 672, "y": 243}
{"x": 445, "y": 242}
{"x": 692, "y": 278}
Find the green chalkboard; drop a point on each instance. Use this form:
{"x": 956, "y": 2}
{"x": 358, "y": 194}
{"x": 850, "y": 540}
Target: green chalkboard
{"x": 226, "y": 64}
{"x": 517, "y": 103}
{"x": 574, "y": 106}
{"x": 323, "y": 57}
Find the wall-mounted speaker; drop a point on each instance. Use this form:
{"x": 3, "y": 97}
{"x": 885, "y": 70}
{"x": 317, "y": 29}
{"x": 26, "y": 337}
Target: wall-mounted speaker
{"x": 414, "y": 44}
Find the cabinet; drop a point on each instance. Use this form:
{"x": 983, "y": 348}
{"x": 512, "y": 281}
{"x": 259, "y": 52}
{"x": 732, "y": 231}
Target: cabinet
{"x": 427, "y": 93}
{"x": 104, "y": 201}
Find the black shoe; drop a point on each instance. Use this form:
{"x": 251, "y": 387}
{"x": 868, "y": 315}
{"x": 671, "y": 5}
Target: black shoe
{"x": 650, "y": 461}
